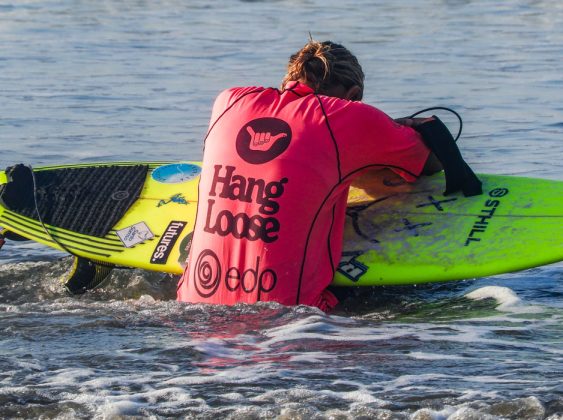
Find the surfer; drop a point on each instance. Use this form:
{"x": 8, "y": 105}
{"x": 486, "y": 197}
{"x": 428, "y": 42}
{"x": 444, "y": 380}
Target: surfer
{"x": 277, "y": 167}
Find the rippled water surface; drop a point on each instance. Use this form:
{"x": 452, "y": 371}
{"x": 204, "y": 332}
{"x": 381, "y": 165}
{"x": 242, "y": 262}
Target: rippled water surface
{"x": 84, "y": 81}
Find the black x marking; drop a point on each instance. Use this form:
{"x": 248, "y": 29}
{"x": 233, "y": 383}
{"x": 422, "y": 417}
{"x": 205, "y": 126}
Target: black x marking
{"x": 412, "y": 226}
{"x": 435, "y": 203}
{"x": 354, "y": 213}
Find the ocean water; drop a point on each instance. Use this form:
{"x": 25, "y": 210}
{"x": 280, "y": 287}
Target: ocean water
{"x": 85, "y": 81}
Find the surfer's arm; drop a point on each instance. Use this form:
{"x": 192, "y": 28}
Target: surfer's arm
{"x": 367, "y": 137}
{"x": 411, "y": 122}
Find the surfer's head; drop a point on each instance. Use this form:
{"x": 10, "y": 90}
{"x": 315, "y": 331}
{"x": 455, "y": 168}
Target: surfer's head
{"x": 328, "y": 68}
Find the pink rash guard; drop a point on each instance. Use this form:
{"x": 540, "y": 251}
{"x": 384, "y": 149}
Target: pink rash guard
{"x": 277, "y": 167}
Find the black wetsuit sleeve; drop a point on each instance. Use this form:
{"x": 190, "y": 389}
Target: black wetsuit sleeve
{"x": 459, "y": 175}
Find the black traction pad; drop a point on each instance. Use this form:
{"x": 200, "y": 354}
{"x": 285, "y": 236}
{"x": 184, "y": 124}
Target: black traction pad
{"x": 88, "y": 200}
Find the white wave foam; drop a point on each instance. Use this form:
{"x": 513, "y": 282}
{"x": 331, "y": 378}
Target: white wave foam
{"x": 358, "y": 396}
{"x": 433, "y": 356}
{"x": 410, "y": 382}
{"x": 323, "y": 328}
{"x": 507, "y": 300}
{"x": 451, "y": 413}
{"x": 312, "y": 357}
{"x": 529, "y": 407}
{"x": 300, "y": 395}
{"x": 208, "y": 375}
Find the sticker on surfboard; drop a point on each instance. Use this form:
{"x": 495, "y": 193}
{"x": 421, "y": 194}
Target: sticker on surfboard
{"x": 134, "y": 234}
{"x": 167, "y": 240}
{"x": 176, "y": 173}
{"x": 350, "y": 267}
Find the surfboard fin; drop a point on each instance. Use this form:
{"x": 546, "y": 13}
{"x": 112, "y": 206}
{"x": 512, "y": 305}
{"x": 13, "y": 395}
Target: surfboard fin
{"x": 85, "y": 275}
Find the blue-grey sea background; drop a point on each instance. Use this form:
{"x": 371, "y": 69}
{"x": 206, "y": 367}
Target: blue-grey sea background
{"x": 88, "y": 81}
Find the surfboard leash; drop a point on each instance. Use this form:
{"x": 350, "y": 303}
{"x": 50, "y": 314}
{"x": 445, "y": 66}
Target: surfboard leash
{"x": 443, "y": 108}
{"x": 39, "y": 218}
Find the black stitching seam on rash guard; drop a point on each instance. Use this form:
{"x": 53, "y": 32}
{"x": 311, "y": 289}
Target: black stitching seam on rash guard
{"x": 341, "y": 180}
{"x": 228, "y": 109}
{"x": 328, "y": 240}
{"x": 332, "y": 137}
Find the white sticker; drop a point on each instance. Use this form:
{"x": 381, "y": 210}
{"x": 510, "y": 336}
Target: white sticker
{"x": 135, "y": 234}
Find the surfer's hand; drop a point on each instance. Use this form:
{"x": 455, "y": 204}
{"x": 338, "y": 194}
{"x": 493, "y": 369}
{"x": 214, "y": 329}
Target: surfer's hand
{"x": 412, "y": 122}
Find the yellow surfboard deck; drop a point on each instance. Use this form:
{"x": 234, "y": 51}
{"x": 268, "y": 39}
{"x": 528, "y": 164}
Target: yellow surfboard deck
{"x": 396, "y": 233}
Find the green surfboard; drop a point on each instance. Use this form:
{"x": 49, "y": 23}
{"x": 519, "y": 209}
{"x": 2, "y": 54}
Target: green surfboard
{"x": 400, "y": 233}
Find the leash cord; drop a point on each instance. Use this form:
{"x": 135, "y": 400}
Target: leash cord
{"x": 47, "y": 231}
{"x": 443, "y": 108}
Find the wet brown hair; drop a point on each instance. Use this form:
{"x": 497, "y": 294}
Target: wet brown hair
{"x": 326, "y": 64}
